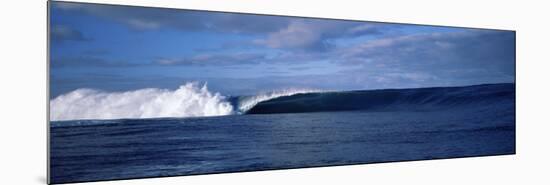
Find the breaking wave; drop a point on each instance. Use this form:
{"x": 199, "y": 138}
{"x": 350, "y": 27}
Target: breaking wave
{"x": 195, "y": 100}
{"x": 189, "y": 100}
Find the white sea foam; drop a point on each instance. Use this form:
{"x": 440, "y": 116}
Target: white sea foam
{"x": 189, "y": 100}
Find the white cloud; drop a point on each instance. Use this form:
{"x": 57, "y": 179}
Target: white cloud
{"x": 298, "y": 34}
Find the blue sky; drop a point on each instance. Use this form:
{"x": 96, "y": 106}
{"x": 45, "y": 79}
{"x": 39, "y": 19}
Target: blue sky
{"x": 119, "y": 48}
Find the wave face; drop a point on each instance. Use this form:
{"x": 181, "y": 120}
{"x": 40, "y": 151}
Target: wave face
{"x": 189, "y": 100}
{"x": 193, "y": 100}
{"x": 420, "y": 99}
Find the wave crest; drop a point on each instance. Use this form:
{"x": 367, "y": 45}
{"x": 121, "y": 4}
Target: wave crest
{"x": 247, "y": 103}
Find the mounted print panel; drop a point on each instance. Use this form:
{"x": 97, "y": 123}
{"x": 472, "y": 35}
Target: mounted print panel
{"x": 137, "y": 92}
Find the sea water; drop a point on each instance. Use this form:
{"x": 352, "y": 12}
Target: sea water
{"x": 134, "y": 148}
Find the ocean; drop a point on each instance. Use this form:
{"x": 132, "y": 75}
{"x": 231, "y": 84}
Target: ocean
{"x": 301, "y": 130}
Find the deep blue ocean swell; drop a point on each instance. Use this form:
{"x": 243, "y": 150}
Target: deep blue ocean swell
{"x": 391, "y": 99}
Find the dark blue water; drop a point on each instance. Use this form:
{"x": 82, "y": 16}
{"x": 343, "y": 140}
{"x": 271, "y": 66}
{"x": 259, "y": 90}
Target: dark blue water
{"x": 122, "y": 149}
